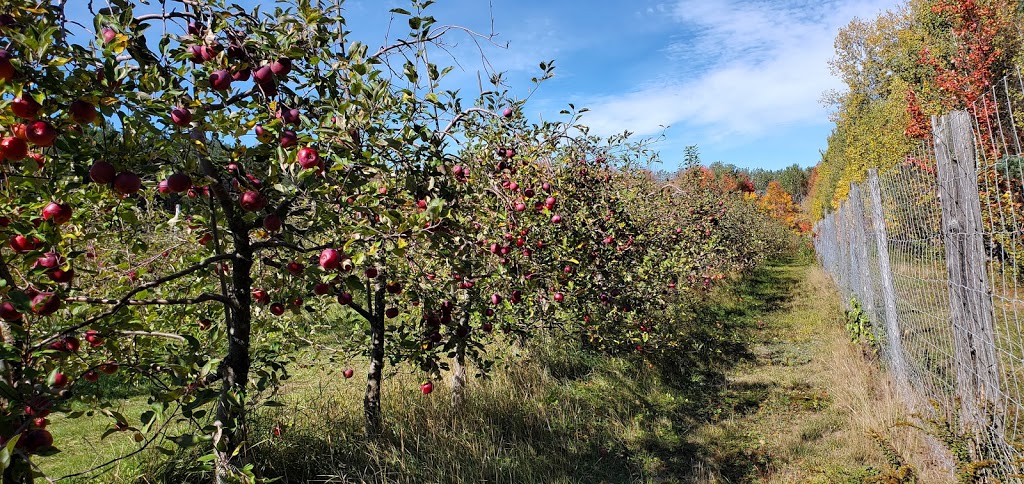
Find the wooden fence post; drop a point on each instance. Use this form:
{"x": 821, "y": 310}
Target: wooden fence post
{"x": 859, "y": 252}
{"x": 894, "y": 336}
{"x": 970, "y": 303}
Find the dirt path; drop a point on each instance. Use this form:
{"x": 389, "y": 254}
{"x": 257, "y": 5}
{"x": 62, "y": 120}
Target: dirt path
{"x": 809, "y": 405}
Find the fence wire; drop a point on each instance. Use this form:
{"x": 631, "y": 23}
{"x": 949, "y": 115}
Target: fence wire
{"x": 932, "y": 251}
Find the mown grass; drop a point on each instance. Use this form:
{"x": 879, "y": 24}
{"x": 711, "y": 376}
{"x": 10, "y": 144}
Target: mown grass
{"x": 745, "y": 400}
{"x": 812, "y": 406}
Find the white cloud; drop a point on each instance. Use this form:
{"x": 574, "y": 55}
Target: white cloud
{"x": 737, "y": 68}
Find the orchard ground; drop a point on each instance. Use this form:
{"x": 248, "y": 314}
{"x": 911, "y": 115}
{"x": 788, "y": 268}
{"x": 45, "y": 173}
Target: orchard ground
{"x": 779, "y": 395}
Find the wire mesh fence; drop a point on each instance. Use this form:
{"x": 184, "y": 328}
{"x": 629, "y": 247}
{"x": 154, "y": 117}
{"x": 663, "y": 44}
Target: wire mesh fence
{"x": 932, "y": 250}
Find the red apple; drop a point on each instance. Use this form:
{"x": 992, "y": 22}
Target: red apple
{"x": 109, "y": 368}
{"x": 205, "y": 324}
{"x": 22, "y": 244}
{"x": 108, "y": 34}
{"x": 58, "y": 213}
{"x": 507, "y": 112}
{"x": 196, "y": 53}
{"x": 181, "y": 116}
{"x": 277, "y": 309}
{"x": 8, "y": 312}
{"x": 391, "y": 313}
{"x": 559, "y": 297}
{"x": 6, "y": 69}
{"x": 330, "y": 259}
{"x": 263, "y": 134}
{"x": 289, "y": 116}
{"x": 348, "y": 373}
{"x": 127, "y": 183}
{"x": 45, "y": 303}
{"x": 36, "y": 440}
{"x": 556, "y": 219}
{"x": 495, "y": 299}
{"x": 427, "y": 387}
{"x": 240, "y": 75}
{"x": 62, "y": 276}
{"x": 82, "y": 112}
{"x": 288, "y": 138}
{"x": 13, "y": 149}
{"x": 91, "y": 376}
{"x": 308, "y": 158}
{"x": 93, "y": 338}
{"x": 371, "y": 273}
{"x": 281, "y": 67}
{"x": 210, "y": 51}
{"x": 179, "y": 182}
{"x": 220, "y": 80}
{"x": 41, "y": 133}
{"x": 25, "y": 107}
{"x": 59, "y": 380}
{"x": 48, "y": 260}
{"x": 252, "y": 201}
{"x": 260, "y": 296}
{"x": 102, "y": 172}
{"x": 264, "y": 75}
{"x": 345, "y": 298}
{"x": 295, "y": 268}
{"x": 321, "y": 288}
{"x": 272, "y": 222}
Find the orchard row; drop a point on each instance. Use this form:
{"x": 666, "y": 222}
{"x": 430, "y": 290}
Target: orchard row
{"x": 200, "y": 193}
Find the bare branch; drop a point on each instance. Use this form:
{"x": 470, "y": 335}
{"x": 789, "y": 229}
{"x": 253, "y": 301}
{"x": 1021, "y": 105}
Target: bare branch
{"x": 164, "y": 16}
{"x": 462, "y": 115}
{"x": 156, "y": 334}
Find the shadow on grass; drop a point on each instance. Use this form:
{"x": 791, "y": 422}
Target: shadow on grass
{"x": 563, "y": 415}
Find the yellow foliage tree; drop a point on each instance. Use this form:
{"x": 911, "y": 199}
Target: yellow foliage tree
{"x": 779, "y": 204}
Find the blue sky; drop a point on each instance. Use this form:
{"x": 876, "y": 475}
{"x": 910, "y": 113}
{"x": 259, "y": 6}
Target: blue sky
{"x": 742, "y": 79}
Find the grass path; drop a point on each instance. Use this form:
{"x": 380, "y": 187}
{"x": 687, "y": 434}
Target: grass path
{"x": 767, "y": 389}
{"x": 808, "y": 405}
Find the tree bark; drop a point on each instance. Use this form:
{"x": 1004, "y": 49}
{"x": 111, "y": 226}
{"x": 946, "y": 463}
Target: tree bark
{"x": 371, "y": 402}
{"x": 459, "y": 368}
{"x": 18, "y": 472}
{"x": 459, "y": 377}
{"x": 234, "y": 369}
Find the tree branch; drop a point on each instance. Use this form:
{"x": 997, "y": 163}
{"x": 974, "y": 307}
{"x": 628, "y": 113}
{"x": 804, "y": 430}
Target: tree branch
{"x": 156, "y": 334}
{"x": 126, "y": 299}
{"x": 154, "y": 302}
{"x": 462, "y": 115}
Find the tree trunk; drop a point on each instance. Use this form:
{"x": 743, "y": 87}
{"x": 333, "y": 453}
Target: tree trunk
{"x": 18, "y": 472}
{"x": 235, "y": 367}
{"x": 459, "y": 377}
{"x": 371, "y": 402}
{"x": 459, "y": 367}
